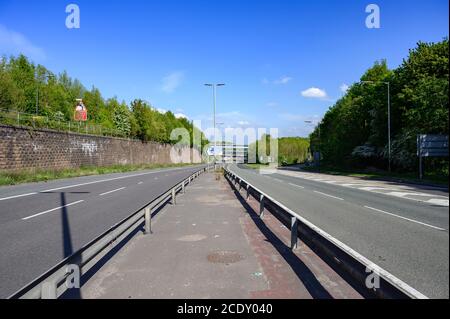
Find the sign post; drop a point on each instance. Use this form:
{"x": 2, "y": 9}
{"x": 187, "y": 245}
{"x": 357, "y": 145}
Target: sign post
{"x": 429, "y": 145}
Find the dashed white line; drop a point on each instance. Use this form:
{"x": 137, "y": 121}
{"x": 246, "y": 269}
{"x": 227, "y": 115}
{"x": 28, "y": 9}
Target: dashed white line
{"x": 296, "y": 185}
{"x": 52, "y": 210}
{"x": 408, "y": 219}
{"x": 140, "y": 183}
{"x": 88, "y": 183}
{"x": 113, "y": 191}
{"x": 338, "y": 198}
{"x": 17, "y": 196}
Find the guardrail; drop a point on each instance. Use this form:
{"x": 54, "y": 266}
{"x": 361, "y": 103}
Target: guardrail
{"x": 345, "y": 258}
{"x": 52, "y": 284}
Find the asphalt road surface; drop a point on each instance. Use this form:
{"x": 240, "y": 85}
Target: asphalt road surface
{"x": 409, "y": 239}
{"x": 42, "y": 223}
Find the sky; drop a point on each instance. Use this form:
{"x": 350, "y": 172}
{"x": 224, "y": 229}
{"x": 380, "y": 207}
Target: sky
{"x": 283, "y": 62}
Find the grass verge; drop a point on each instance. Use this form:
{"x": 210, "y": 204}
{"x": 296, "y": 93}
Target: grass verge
{"x": 39, "y": 175}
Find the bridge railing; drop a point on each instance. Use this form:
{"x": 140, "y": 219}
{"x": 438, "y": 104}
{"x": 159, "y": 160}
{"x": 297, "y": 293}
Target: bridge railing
{"x": 53, "y": 283}
{"x": 342, "y": 256}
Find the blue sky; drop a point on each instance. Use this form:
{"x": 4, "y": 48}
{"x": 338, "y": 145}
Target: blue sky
{"x": 267, "y": 52}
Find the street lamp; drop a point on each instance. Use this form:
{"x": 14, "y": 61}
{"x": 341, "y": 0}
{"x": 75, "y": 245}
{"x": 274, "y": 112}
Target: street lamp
{"x": 389, "y": 115}
{"x": 214, "y": 86}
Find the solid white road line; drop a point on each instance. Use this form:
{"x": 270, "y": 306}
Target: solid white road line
{"x": 17, "y": 196}
{"x": 408, "y": 219}
{"x": 338, "y": 198}
{"x": 296, "y": 185}
{"x": 52, "y": 210}
{"x": 115, "y": 190}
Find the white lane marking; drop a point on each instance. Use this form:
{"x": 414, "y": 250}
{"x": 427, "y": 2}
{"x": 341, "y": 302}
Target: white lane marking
{"x": 17, "y": 196}
{"x": 376, "y": 188}
{"x": 440, "y": 202}
{"x": 296, "y": 185}
{"x": 408, "y": 219}
{"x": 140, "y": 183}
{"x": 114, "y": 190}
{"x": 278, "y": 180}
{"x": 52, "y": 210}
{"x": 403, "y": 194}
{"x": 374, "y": 267}
{"x": 351, "y": 185}
{"x": 338, "y": 198}
{"x": 88, "y": 183}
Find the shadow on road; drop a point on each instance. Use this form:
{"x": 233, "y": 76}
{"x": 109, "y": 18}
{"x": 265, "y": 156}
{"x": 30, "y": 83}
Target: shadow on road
{"x": 307, "y": 277}
{"x": 67, "y": 238}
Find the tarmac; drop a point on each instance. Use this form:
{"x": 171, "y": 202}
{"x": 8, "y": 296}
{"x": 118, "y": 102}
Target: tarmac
{"x": 212, "y": 245}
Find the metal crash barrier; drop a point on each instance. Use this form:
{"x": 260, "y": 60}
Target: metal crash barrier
{"x": 340, "y": 255}
{"x": 53, "y": 283}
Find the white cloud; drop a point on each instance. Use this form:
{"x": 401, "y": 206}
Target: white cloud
{"x": 283, "y": 80}
{"x": 243, "y": 123}
{"x": 314, "y": 93}
{"x": 300, "y": 118}
{"x": 172, "y": 81}
{"x": 344, "y": 88}
{"x": 162, "y": 111}
{"x": 12, "y": 42}
{"x": 272, "y": 104}
{"x": 181, "y": 116}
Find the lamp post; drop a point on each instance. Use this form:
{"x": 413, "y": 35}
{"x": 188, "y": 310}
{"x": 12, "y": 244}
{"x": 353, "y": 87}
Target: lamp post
{"x": 389, "y": 115}
{"x": 214, "y": 86}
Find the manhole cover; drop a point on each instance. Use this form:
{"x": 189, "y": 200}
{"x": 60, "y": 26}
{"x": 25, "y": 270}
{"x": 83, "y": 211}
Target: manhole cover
{"x": 224, "y": 257}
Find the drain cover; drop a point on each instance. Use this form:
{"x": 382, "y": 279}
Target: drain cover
{"x": 224, "y": 257}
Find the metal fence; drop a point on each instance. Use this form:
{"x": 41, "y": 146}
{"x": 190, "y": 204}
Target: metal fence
{"x": 343, "y": 257}
{"x": 52, "y": 284}
{"x": 55, "y": 123}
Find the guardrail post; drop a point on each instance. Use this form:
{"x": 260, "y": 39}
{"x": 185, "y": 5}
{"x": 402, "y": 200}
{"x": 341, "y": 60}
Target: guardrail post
{"x": 240, "y": 184}
{"x": 183, "y": 189}
{"x": 174, "y": 198}
{"x": 294, "y": 233}
{"x": 261, "y": 206}
{"x": 248, "y": 193}
{"x": 148, "y": 220}
{"x": 48, "y": 290}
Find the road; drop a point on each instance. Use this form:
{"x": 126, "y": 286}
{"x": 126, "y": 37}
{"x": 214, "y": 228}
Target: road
{"x": 42, "y": 223}
{"x": 408, "y": 238}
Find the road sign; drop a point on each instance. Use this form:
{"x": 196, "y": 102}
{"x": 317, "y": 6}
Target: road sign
{"x": 430, "y": 145}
